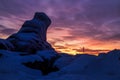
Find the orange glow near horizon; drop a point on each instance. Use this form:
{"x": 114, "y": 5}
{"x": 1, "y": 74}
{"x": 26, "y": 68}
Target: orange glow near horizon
{"x": 75, "y": 46}
{"x": 74, "y": 51}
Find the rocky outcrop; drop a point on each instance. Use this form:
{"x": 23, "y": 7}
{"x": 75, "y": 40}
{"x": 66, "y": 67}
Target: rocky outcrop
{"x": 30, "y": 40}
{"x": 32, "y": 35}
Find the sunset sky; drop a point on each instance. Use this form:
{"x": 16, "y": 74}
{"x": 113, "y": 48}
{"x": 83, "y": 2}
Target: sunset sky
{"x": 92, "y": 24}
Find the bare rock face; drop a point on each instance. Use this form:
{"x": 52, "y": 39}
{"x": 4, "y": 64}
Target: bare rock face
{"x": 31, "y": 40}
{"x": 32, "y": 36}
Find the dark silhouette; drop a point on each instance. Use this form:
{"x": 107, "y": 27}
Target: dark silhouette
{"x": 32, "y": 35}
{"x": 30, "y": 39}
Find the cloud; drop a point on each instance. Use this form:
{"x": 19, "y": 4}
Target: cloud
{"x": 108, "y": 31}
{"x": 101, "y": 10}
{"x": 74, "y": 19}
{"x": 64, "y": 12}
{"x": 71, "y": 37}
{"x": 6, "y": 31}
{"x": 93, "y": 51}
{"x": 1, "y": 26}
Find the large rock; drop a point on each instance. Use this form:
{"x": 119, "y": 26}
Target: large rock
{"x": 6, "y": 45}
{"x": 32, "y": 36}
{"x": 31, "y": 41}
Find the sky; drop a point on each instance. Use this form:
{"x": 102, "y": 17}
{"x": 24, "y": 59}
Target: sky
{"x": 92, "y": 24}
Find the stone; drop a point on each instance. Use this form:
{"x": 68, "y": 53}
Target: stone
{"x": 6, "y": 45}
{"x": 32, "y": 36}
{"x": 30, "y": 43}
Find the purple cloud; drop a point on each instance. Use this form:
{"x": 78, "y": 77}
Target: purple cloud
{"x": 96, "y": 19}
{"x": 6, "y": 31}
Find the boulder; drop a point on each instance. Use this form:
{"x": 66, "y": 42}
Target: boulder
{"x": 32, "y": 36}
{"x": 6, "y": 45}
{"x": 30, "y": 43}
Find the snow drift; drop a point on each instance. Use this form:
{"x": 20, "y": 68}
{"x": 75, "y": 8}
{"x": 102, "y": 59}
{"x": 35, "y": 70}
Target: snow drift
{"x": 87, "y": 67}
{"x": 78, "y": 67}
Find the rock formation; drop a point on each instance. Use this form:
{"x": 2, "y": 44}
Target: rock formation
{"x": 31, "y": 40}
{"x": 32, "y": 35}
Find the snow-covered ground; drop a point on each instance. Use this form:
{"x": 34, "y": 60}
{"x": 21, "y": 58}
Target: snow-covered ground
{"x": 78, "y": 67}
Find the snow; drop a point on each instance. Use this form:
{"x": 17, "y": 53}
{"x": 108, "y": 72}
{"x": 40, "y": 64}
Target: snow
{"x": 47, "y": 54}
{"x": 11, "y": 68}
{"x": 78, "y": 67}
{"x": 87, "y": 67}
{"x": 4, "y": 44}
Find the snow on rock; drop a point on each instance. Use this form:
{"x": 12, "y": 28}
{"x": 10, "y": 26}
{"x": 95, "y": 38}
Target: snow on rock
{"x": 46, "y": 64}
{"x": 32, "y": 35}
{"x": 6, "y": 45}
{"x": 47, "y": 54}
{"x": 78, "y": 67}
{"x": 87, "y": 67}
{"x": 64, "y": 60}
{"x": 11, "y": 67}
{"x": 27, "y": 52}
